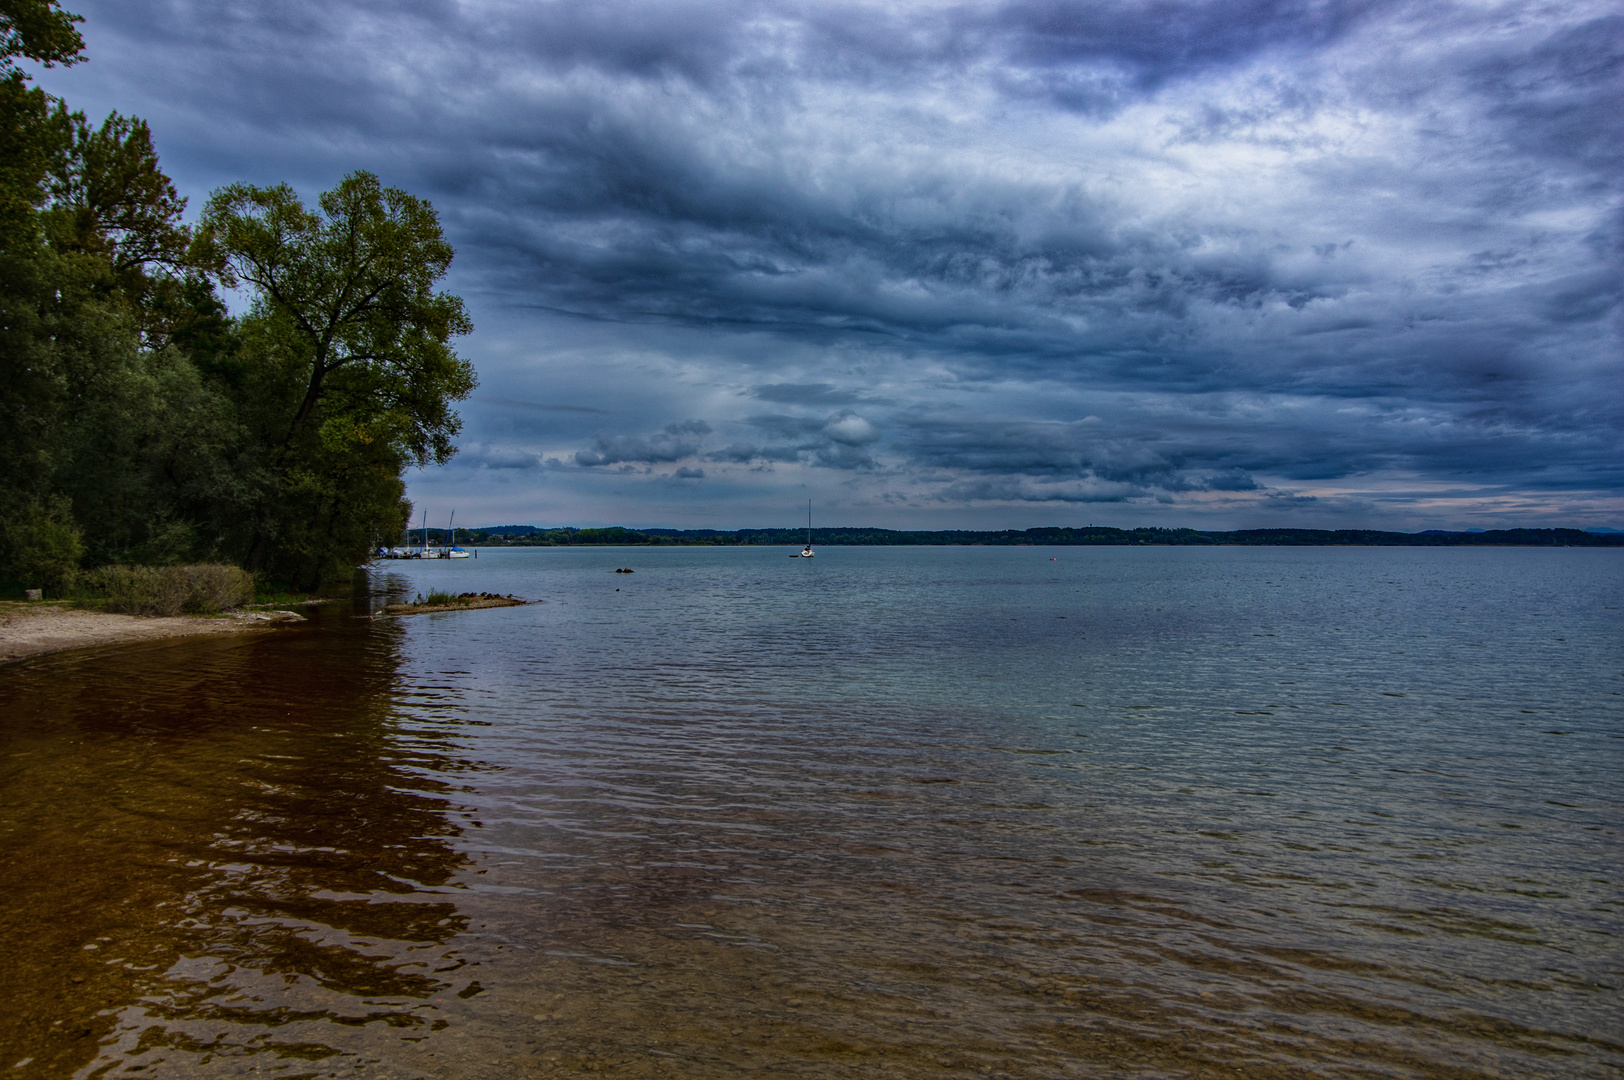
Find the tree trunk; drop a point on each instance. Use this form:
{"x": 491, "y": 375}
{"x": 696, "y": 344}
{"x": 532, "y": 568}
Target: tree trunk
{"x": 257, "y": 552}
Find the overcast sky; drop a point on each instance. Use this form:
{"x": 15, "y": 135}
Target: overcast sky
{"x": 1318, "y": 263}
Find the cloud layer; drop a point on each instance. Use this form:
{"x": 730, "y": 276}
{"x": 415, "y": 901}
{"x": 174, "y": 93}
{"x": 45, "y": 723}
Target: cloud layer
{"x": 1250, "y": 262}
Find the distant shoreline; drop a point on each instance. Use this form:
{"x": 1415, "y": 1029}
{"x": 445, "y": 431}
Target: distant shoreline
{"x": 1100, "y": 536}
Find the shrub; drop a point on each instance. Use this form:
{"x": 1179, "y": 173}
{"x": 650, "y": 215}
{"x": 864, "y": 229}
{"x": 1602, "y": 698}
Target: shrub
{"x": 167, "y": 590}
{"x": 42, "y": 544}
{"x": 215, "y": 587}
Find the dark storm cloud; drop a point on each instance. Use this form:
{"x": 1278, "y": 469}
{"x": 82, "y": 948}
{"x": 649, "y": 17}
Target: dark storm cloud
{"x": 838, "y": 441}
{"x": 1075, "y": 462}
{"x": 674, "y": 443}
{"x": 1560, "y": 98}
{"x": 1258, "y": 242}
{"x": 473, "y": 455}
{"x": 1147, "y": 452}
{"x": 806, "y": 394}
{"x": 538, "y": 406}
{"x": 746, "y": 453}
{"x": 1093, "y": 57}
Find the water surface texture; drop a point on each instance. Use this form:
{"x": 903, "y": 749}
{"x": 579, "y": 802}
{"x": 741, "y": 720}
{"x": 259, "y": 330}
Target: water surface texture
{"x": 905, "y": 812}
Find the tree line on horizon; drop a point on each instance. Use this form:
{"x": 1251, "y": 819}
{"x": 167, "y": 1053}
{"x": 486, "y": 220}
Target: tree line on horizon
{"x": 144, "y": 422}
{"x": 1102, "y": 535}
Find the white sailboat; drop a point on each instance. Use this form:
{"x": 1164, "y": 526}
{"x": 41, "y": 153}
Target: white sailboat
{"x": 807, "y": 552}
{"x": 452, "y": 551}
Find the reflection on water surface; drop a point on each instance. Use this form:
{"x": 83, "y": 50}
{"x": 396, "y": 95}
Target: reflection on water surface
{"x": 899, "y": 813}
{"x": 219, "y": 849}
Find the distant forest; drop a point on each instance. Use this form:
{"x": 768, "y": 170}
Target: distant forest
{"x": 532, "y": 536}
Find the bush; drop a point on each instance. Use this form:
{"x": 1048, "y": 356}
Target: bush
{"x": 167, "y": 590}
{"x": 42, "y": 544}
{"x": 215, "y": 587}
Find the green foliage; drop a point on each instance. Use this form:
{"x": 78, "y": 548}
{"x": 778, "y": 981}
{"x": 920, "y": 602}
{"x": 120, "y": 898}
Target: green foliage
{"x": 144, "y": 424}
{"x": 439, "y": 598}
{"x": 42, "y": 543}
{"x": 36, "y": 30}
{"x": 112, "y": 196}
{"x": 39, "y": 30}
{"x": 274, "y": 597}
{"x": 166, "y": 590}
{"x": 27, "y": 145}
{"x": 347, "y": 368}
{"x": 349, "y": 290}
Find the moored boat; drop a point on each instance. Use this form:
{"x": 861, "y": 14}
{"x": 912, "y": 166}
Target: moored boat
{"x": 807, "y": 552}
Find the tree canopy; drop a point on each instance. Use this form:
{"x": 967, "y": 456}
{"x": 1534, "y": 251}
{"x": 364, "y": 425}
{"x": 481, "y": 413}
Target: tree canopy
{"x": 38, "y": 30}
{"x": 347, "y": 324}
{"x": 145, "y": 422}
{"x": 354, "y": 283}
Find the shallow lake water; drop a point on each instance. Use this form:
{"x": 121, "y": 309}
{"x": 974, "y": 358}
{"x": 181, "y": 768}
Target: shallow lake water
{"x": 899, "y": 812}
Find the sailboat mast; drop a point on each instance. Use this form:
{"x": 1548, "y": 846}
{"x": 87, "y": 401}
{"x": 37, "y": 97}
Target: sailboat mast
{"x": 809, "y": 523}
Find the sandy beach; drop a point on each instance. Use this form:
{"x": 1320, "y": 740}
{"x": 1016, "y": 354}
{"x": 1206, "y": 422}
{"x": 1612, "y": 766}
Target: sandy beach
{"x": 33, "y": 629}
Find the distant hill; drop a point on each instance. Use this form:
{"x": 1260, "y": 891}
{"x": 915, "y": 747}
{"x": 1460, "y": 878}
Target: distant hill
{"x": 839, "y": 536}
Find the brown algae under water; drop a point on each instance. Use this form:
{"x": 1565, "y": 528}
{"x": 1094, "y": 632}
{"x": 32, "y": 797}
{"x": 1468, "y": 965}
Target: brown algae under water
{"x": 862, "y": 819}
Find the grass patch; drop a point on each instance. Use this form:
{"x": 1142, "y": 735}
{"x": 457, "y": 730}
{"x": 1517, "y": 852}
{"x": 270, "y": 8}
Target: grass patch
{"x": 206, "y": 589}
{"x": 280, "y": 598}
{"x": 445, "y": 601}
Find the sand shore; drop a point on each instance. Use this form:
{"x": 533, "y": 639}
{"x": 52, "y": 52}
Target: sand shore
{"x": 37, "y": 629}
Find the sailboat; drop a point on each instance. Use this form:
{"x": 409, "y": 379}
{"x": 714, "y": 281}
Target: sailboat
{"x": 452, "y": 551}
{"x": 807, "y": 552}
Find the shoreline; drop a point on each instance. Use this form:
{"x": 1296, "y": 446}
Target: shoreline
{"x": 500, "y": 537}
{"x": 30, "y": 629}
{"x": 475, "y": 604}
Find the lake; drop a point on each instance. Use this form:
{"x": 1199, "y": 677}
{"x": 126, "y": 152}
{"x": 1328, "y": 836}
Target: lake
{"x": 899, "y": 812}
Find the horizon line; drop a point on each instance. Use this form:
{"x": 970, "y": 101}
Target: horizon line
{"x": 1598, "y": 530}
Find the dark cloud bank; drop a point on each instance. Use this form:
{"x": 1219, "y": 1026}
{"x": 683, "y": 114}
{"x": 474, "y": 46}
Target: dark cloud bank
{"x": 1245, "y": 263}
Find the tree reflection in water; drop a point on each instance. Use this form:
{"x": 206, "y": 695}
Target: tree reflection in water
{"x": 219, "y": 848}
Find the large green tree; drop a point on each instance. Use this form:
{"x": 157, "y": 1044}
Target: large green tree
{"x": 30, "y": 380}
{"x": 144, "y": 423}
{"x": 349, "y": 359}
{"x": 41, "y": 31}
{"x": 107, "y": 415}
